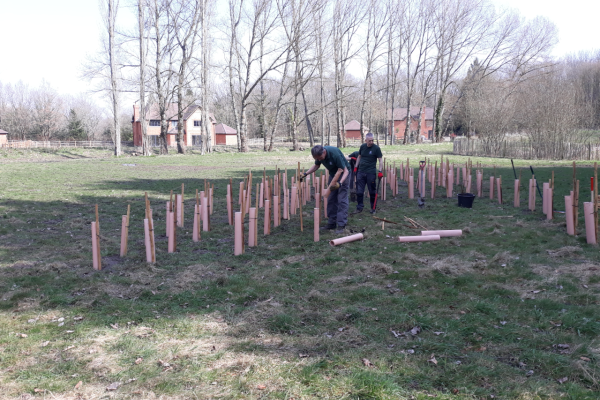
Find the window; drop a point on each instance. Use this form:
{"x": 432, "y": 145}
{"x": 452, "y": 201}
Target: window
{"x": 174, "y": 124}
{"x": 197, "y": 123}
{"x": 154, "y": 122}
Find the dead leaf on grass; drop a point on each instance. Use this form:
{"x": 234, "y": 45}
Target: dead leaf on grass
{"x": 46, "y": 343}
{"x": 432, "y": 359}
{"x": 139, "y": 360}
{"x": 22, "y": 335}
{"x": 113, "y": 386}
{"x": 78, "y": 385}
{"x": 261, "y": 387}
{"x": 415, "y": 331}
{"x": 584, "y": 359}
{"x": 438, "y": 333}
{"x": 367, "y": 363}
{"x": 562, "y": 380}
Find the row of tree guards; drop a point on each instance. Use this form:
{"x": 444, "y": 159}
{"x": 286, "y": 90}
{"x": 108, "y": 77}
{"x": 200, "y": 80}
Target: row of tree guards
{"x": 280, "y": 201}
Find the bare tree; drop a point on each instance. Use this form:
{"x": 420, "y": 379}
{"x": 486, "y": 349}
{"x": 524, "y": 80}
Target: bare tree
{"x": 17, "y": 111}
{"x": 110, "y": 22}
{"x": 376, "y": 32}
{"x": 48, "y": 113}
{"x": 163, "y": 73}
{"x": 346, "y": 18}
{"x": 248, "y": 27}
{"x": 185, "y": 17}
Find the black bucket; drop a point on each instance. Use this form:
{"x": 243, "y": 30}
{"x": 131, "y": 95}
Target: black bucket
{"x": 466, "y": 200}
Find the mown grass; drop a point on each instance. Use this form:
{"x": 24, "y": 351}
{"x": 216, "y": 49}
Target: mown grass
{"x": 291, "y": 318}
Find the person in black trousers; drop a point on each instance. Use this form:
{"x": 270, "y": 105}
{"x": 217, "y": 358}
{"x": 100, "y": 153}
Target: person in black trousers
{"x": 366, "y": 171}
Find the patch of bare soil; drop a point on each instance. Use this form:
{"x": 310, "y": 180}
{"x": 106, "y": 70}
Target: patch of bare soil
{"x": 189, "y": 277}
{"x": 583, "y": 271}
{"x": 566, "y": 251}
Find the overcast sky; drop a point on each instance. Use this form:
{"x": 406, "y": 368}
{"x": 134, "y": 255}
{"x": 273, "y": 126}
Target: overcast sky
{"x": 49, "y": 40}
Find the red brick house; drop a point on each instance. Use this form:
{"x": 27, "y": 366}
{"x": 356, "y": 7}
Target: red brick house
{"x": 352, "y": 129}
{"x": 225, "y": 135}
{"x": 3, "y": 137}
{"x": 397, "y": 123}
{"x": 192, "y": 125}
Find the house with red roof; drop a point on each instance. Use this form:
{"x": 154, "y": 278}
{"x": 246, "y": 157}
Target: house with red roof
{"x": 397, "y": 121}
{"x": 192, "y": 125}
{"x": 3, "y": 137}
{"x": 225, "y": 135}
{"x": 352, "y": 129}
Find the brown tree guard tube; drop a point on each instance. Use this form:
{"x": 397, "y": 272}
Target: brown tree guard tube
{"x": 325, "y": 207}
{"x": 95, "y": 261}
{"x": 168, "y": 228}
{"x": 433, "y": 185}
{"x": 196, "y": 223}
{"x": 179, "y": 210}
{"x": 208, "y": 211}
{"x": 127, "y": 228}
{"x": 517, "y": 201}
{"x": 229, "y": 215}
{"x": 286, "y": 210}
{"x": 491, "y": 188}
{"x": 262, "y": 195}
{"x": 479, "y": 184}
{"x": 443, "y": 233}
{"x": 411, "y": 187}
{"x": 316, "y": 223}
{"x": 99, "y": 255}
{"x": 147, "y": 240}
{"x": 238, "y": 247}
{"x": 243, "y": 202}
{"x": 383, "y": 191}
{"x": 251, "y": 231}
{"x": 533, "y": 194}
{"x": 171, "y": 242}
{"x": 499, "y": 189}
{"x": 550, "y": 214}
{"x": 545, "y": 187}
{"x": 241, "y": 194}
{"x": 294, "y": 197}
{"x": 123, "y": 252}
{"x": 410, "y": 239}
{"x": 275, "y": 211}
{"x": 569, "y": 215}
{"x": 449, "y": 187}
{"x": 267, "y": 225}
{"x": 464, "y": 175}
{"x": 457, "y": 174}
{"x": 469, "y": 182}
{"x": 529, "y": 205}
{"x": 152, "y": 241}
{"x": 346, "y": 239}
{"x": 590, "y": 228}
{"x": 204, "y": 211}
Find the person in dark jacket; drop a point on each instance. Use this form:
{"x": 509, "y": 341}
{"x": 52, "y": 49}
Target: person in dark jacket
{"x": 366, "y": 171}
{"x": 339, "y": 183}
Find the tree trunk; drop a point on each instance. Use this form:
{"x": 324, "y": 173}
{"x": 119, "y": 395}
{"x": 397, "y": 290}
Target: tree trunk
{"x": 146, "y": 148}
{"x": 439, "y": 111}
{"x": 112, "y": 15}
{"x": 181, "y": 147}
{"x": 308, "y": 124}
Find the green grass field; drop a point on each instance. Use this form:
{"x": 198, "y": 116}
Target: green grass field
{"x": 507, "y": 311}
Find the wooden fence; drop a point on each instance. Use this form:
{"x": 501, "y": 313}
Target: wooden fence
{"x": 29, "y": 144}
{"x": 526, "y": 150}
